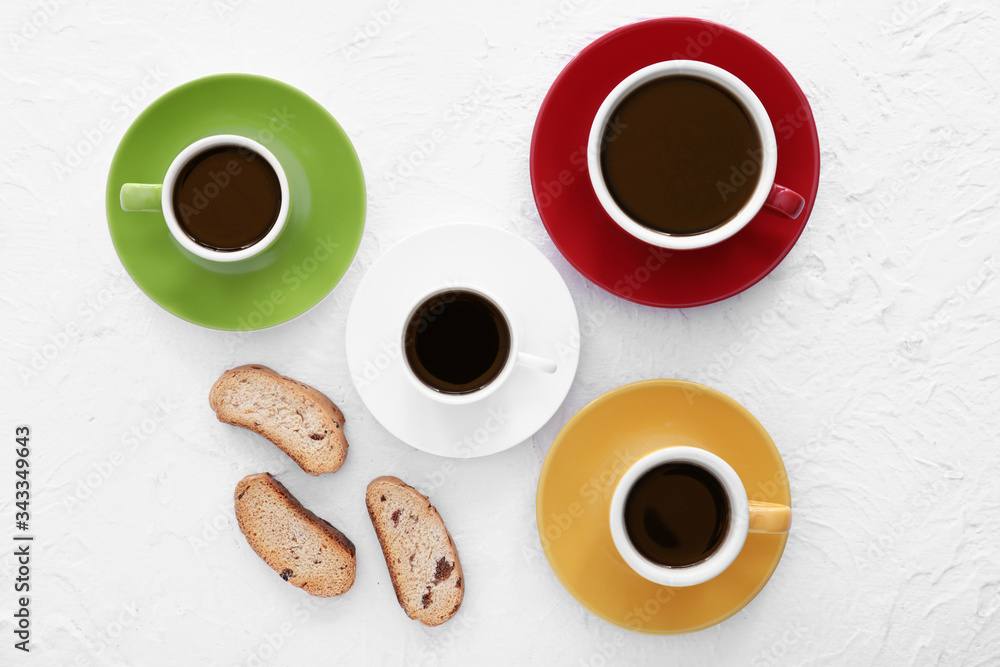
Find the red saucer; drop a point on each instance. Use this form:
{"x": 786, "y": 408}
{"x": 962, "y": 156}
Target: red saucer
{"x": 591, "y": 240}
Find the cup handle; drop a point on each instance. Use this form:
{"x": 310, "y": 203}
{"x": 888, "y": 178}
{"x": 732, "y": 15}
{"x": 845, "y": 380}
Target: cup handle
{"x": 141, "y": 197}
{"x": 769, "y": 517}
{"x": 537, "y": 363}
{"x": 784, "y": 202}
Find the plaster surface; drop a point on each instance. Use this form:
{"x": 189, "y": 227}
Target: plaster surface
{"x": 870, "y": 354}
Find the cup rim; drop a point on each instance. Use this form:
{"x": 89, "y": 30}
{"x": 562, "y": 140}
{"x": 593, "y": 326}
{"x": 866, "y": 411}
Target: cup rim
{"x": 728, "y": 549}
{"x": 170, "y": 180}
{"x": 750, "y": 103}
{"x": 495, "y": 383}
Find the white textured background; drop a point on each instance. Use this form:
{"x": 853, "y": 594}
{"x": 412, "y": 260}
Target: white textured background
{"x": 870, "y": 354}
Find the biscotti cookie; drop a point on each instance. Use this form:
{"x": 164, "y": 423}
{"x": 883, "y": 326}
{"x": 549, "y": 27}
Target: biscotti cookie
{"x": 419, "y": 552}
{"x": 305, "y": 550}
{"x": 300, "y": 420}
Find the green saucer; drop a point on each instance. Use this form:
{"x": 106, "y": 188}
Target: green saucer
{"x": 326, "y": 215}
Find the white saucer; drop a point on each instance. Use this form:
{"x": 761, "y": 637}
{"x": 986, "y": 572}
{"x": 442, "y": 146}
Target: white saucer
{"x": 519, "y": 276}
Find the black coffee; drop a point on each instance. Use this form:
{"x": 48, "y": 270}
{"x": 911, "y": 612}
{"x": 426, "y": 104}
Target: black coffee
{"x": 227, "y": 198}
{"x": 677, "y": 514}
{"x": 680, "y": 155}
{"x": 457, "y": 342}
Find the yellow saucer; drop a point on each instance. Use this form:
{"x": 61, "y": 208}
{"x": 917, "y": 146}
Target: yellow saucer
{"x": 588, "y": 458}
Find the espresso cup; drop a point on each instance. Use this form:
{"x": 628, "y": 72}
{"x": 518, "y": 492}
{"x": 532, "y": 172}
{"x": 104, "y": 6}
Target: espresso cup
{"x": 460, "y": 344}
{"x": 690, "y": 502}
{"x": 766, "y": 195}
{"x": 160, "y": 197}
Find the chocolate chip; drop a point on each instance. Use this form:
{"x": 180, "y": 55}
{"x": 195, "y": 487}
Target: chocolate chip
{"x": 240, "y": 497}
{"x": 257, "y": 367}
{"x": 395, "y": 517}
{"x": 426, "y": 600}
{"x": 458, "y": 584}
{"x": 336, "y": 425}
{"x": 383, "y": 499}
{"x": 443, "y": 569}
{"x": 285, "y": 574}
{"x": 316, "y": 436}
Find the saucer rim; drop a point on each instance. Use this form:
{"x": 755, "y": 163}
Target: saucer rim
{"x": 251, "y": 79}
{"x": 810, "y": 197}
{"x": 547, "y": 470}
{"x": 476, "y": 407}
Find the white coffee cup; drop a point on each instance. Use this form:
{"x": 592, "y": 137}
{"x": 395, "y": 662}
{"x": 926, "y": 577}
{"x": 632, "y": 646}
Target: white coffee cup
{"x": 767, "y": 194}
{"x": 745, "y": 517}
{"x": 515, "y": 356}
{"x": 159, "y": 197}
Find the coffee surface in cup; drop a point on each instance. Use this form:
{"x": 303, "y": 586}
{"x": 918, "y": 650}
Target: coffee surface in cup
{"x": 680, "y": 155}
{"x": 677, "y": 514}
{"x": 457, "y": 342}
{"x": 227, "y": 198}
